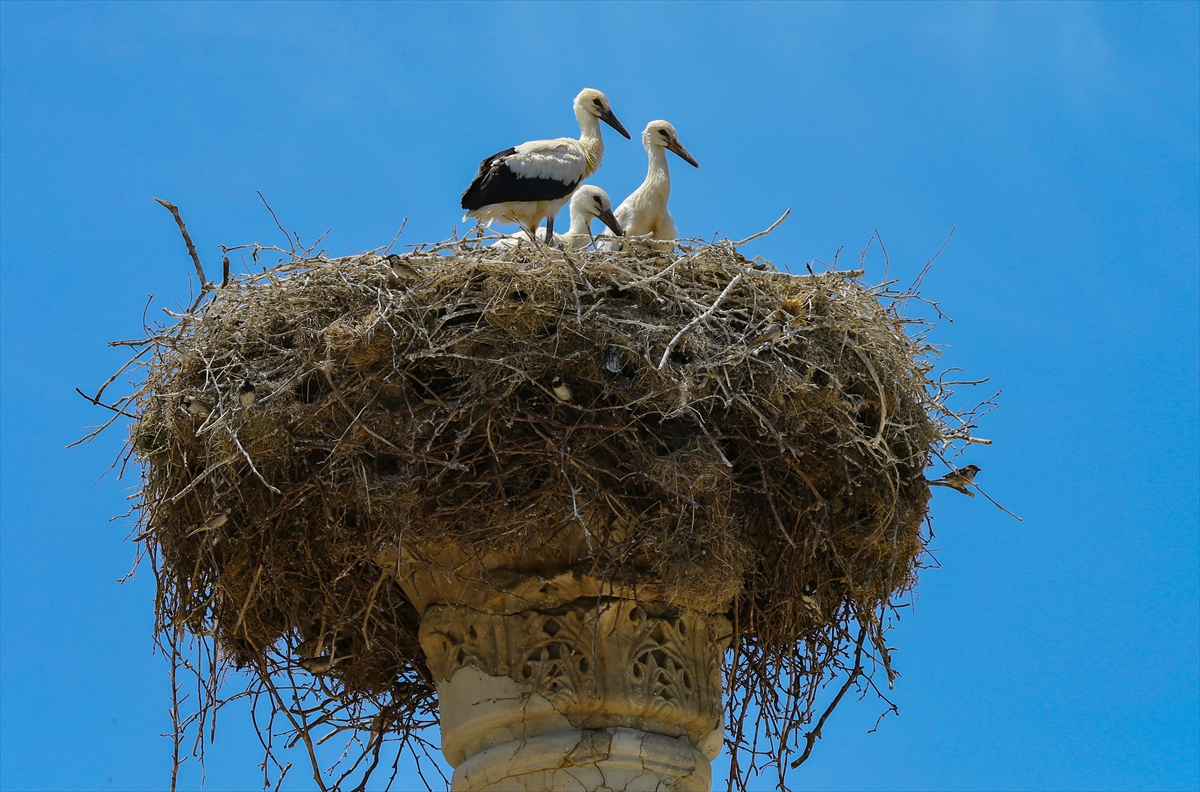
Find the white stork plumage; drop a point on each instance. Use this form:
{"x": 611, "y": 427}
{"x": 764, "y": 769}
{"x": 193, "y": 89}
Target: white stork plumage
{"x": 531, "y": 182}
{"x": 588, "y": 203}
{"x": 645, "y": 211}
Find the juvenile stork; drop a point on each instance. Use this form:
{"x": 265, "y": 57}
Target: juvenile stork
{"x": 588, "y": 203}
{"x": 531, "y": 182}
{"x": 645, "y": 211}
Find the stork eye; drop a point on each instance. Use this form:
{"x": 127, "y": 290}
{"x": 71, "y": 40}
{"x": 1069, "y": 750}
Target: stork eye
{"x": 596, "y": 102}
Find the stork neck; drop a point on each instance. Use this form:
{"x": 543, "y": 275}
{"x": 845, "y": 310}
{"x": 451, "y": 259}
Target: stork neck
{"x": 590, "y": 140}
{"x": 658, "y": 173}
{"x": 580, "y": 224}
{"x": 589, "y": 125}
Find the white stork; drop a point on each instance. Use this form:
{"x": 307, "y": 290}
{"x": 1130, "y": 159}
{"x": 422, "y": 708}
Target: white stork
{"x": 645, "y": 211}
{"x": 588, "y": 203}
{"x": 531, "y": 182}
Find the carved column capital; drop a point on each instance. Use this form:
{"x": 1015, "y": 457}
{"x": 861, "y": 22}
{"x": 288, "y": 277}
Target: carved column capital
{"x": 599, "y": 664}
{"x": 553, "y": 680}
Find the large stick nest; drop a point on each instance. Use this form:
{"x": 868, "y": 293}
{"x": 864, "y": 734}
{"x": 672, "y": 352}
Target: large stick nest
{"x": 750, "y": 441}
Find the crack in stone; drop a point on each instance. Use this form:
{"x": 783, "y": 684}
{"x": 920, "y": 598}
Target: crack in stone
{"x": 594, "y": 746}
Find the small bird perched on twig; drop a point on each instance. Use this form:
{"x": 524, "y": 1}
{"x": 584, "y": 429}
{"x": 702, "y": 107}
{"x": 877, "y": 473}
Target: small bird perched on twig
{"x": 246, "y": 396}
{"x": 808, "y": 595}
{"x": 959, "y": 479}
{"x": 562, "y": 391}
{"x": 402, "y": 269}
{"x": 194, "y": 405}
{"x": 771, "y": 333}
{"x": 322, "y": 664}
{"x": 212, "y": 523}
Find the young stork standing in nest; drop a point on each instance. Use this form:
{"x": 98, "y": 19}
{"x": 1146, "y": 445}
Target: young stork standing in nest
{"x": 587, "y": 204}
{"x": 645, "y": 211}
{"x": 531, "y": 182}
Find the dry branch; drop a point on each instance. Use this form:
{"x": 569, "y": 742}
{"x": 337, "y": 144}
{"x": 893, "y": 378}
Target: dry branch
{"x": 191, "y": 249}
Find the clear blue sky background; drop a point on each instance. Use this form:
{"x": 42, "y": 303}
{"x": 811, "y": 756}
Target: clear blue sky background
{"x": 1062, "y": 141}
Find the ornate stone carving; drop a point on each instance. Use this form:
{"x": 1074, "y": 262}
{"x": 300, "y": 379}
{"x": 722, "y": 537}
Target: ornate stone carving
{"x": 550, "y": 678}
{"x": 598, "y": 665}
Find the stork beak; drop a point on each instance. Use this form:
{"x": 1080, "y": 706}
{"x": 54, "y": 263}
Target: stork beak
{"x": 609, "y": 219}
{"x": 610, "y": 118}
{"x": 678, "y": 148}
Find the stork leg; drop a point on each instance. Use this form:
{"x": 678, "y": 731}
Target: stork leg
{"x": 549, "y": 230}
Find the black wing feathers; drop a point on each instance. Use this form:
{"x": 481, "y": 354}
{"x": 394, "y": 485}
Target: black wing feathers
{"x": 496, "y": 183}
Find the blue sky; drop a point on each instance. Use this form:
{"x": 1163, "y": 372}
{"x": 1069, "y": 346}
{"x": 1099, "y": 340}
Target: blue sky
{"x": 1061, "y": 140}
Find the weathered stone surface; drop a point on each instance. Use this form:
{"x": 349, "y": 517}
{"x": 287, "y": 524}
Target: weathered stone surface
{"x": 510, "y": 583}
{"x": 599, "y": 665}
{"x": 549, "y": 679}
{"x": 608, "y": 760}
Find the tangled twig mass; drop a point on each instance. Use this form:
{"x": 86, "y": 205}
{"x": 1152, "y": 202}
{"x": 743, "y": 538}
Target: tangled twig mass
{"x": 748, "y": 441}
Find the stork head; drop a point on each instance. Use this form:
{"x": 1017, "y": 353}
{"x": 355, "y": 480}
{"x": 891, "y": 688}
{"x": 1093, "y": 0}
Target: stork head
{"x": 594, "y": 103}
{"x": 591, "y": 201}
{"x": 663, "y": 135}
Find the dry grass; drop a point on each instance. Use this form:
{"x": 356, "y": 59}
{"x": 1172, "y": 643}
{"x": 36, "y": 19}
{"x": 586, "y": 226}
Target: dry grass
{"x": 737, "y": 434}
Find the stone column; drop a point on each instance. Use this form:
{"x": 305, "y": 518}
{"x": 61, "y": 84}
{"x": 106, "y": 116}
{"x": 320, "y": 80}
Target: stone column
{"x": 561, "y": 682}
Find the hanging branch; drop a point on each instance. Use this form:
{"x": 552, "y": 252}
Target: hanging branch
{"x": 814, "y": 735}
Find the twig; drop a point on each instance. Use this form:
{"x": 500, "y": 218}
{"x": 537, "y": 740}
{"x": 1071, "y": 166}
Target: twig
{"x": 174, "y": 210}
{"x": 210, "y": 469}
{"x": 99, "y": 403}
{"x": 278, "y": 225}
{"x": 249, "y": 461}
{"x": 249, "y": 596}
{"x": 916, "y": 284}
{"x": 862, "y": 259}
{"x": 814, "y": 735}
{"x": 886, "y": 261}
{"x": 997, "y": 505}
{"x": 764, "y": 233}
{"x": 711, "y": 309}
{"x": 388, "y": 249}
{"x": 177, "y": 731}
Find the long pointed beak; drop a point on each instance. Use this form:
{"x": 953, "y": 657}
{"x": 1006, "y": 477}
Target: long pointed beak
{"x": 609, "y": 219}
{"x": 678, "y": 148}
{"x": 610, "y": 118}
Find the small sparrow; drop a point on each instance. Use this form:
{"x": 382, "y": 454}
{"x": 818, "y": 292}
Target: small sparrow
{"x": 195, "y": 406}
{"x": 401, "y": 269}
{"x": 322, "y": 664}
{"x": 771, "y": 333}
{"x": 959, "y": 479}
{"x": 307, "y": 650}
{"x": 562, "y": 391}
{"x": 808, "y": 595}
{"x": 247, "y": 394}
{"x": 212, "y": 523}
